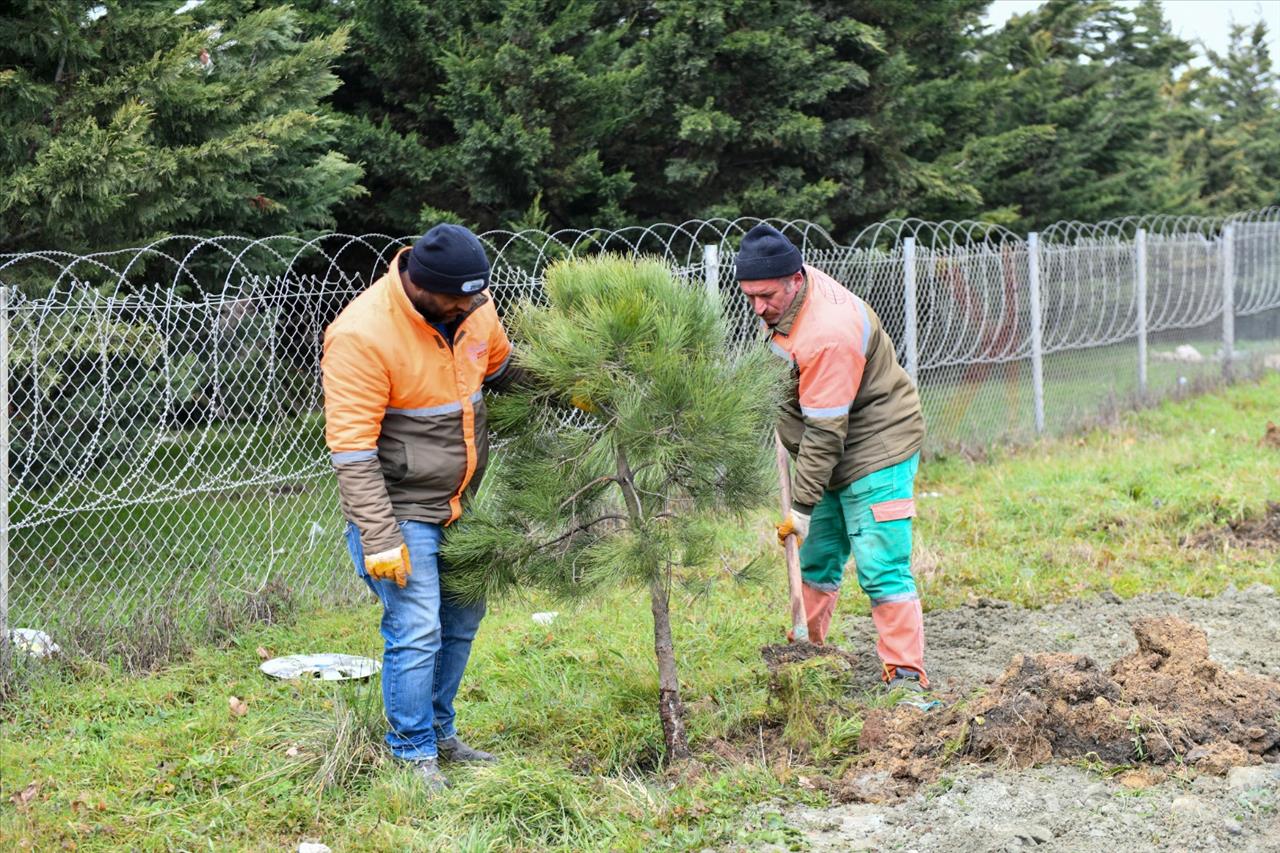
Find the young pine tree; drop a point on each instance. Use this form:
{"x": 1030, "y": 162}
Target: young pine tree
{"x": 678, "y": 421}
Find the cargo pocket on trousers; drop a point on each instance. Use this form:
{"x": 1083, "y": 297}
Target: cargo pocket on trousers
{"x": 894, "y": 510}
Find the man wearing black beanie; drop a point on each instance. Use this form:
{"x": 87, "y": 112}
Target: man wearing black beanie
{"x": 853, "y": 425}
{"x": 403, "y": 368}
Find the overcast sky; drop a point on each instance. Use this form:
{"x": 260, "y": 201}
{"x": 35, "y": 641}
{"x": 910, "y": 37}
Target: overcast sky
{"x": 1194, "y": 20}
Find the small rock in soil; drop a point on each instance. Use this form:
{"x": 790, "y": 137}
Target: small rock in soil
{"x": 1030, "y": 834}
{"x": 1188, "y": 805}
{"x": 1248, "y": 778}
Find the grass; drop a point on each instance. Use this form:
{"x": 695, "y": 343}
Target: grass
{"x": 159, "y": 761}
{"x": 981, "y": 404}
{"x": 1109, "y": 509}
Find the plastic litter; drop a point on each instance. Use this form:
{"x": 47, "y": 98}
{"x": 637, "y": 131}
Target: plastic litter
{"x": 323, "y": 667}
{"x": 925, "y": 705}
{"x": 546, "y": 618}
{"x": 35, "y": 643}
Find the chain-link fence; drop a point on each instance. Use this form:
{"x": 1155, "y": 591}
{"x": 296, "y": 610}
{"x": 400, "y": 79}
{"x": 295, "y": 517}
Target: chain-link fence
{"x": 160, "y": 408}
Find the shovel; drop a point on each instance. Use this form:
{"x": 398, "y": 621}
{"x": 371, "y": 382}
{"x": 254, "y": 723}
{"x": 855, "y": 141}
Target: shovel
{"x": 799, "y": 621}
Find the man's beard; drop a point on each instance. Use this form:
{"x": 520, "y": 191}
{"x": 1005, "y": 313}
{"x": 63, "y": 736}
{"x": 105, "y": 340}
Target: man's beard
{"x": 433, "y": 315}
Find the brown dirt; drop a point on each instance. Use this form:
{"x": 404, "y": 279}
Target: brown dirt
{"x": 1167, "y": 705}
{"x": 1243, "y": 533}
{"x": 1271, "y": 438}
{"x": 782, "y": 654}
{"x": 1218, "y": 799}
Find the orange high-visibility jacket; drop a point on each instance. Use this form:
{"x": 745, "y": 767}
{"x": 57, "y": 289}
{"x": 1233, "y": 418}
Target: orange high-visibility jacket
{"x": 852, "y": 410}
{"x": 404, "y": 415}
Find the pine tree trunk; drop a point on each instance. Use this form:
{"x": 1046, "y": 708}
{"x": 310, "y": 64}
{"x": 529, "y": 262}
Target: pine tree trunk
{"x": 670, "y": 708}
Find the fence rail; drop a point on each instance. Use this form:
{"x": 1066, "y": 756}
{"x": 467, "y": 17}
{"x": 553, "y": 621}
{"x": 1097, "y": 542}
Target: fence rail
{"x": 160, "y": 407}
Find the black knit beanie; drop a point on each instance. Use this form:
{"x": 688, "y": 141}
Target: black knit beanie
{"x": 765, "y": 253}
{"x": 449, "y": 259}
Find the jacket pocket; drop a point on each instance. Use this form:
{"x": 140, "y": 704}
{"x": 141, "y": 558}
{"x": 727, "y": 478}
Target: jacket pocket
{"x": 436, "y": 470}
{"x": 894, "y": 510}
{"x": 393, "y": 458}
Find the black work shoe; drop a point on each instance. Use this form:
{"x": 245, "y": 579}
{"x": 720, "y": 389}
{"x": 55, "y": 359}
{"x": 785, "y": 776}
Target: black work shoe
{"x": 428, "y": 770}
{"x": 453, "y": 749}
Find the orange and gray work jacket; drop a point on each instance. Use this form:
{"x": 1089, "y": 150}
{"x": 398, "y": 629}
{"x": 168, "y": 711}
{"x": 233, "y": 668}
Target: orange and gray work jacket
{"x": 404, "y": 415}
{"x": 852, "y": 409}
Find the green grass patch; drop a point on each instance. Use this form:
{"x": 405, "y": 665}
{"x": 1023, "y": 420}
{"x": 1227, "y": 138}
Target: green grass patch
{"x": 160, "y": 761}
{"x": 1110, "y": 509}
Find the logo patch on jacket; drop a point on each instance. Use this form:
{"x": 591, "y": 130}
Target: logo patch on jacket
{"x": 475, "y": 352}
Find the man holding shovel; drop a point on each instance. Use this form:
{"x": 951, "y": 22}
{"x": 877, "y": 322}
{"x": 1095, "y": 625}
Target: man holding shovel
{"x": 853, "y": 425}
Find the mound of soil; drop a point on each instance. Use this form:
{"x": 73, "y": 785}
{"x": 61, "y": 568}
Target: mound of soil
{"x": 1243, "y": 533}
{"x": 1167, "y": 702}
{"x": 782, "y": 654}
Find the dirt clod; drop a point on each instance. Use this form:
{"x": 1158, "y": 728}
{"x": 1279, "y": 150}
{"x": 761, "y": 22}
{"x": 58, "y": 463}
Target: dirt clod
{"x": 1243, "y": 533}
{"x": 782, "y": 654}
{"x": 1165, "y": 703}
{"x": 1200, "y": 702}
{"x": 1271, "y": 438}
{"x": 1218, "y": 757}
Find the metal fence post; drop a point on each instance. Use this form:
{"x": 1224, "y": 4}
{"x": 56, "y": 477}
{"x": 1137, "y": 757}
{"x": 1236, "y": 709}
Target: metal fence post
{"x": 1228, "y": 246}
{"x": 4, "y": 467}
{"x": 910, "y": 340}
{"x": 1037, "y": 356}
{"x": 1140, "y": 248}
{"x": 711, "y": 269}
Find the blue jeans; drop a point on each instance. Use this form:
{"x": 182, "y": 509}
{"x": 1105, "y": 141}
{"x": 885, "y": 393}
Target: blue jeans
{"x": 428, "y": 640}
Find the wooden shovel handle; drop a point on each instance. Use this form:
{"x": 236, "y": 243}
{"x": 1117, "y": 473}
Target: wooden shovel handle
{"x": 799, "y": 621}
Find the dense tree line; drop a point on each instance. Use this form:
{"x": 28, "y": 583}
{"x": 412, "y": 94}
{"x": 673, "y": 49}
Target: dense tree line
{"x": 128, "y": 120}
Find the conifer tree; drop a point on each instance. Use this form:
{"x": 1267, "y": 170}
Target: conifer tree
{"x": 126, "y": 121}
{"x": 676, "y": 437}
{"x": 1060, "y": 115}
{"x": 1239, "y": 137}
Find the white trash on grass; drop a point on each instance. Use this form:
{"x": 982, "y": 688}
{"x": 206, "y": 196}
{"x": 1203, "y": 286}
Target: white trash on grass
{"x": 324, "y": 667}
{"x": 35, "y": 643}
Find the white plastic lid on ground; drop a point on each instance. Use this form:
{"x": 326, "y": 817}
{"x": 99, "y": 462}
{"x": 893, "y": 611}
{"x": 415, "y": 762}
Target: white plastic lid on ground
{"x": 35, "y": 643}
{"x": 324, "y": 667}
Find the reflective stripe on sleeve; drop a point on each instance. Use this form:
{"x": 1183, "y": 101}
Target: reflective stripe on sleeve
{"x": 829, "y": 412}
{"x": 344, "y": 456}
{"x": 498, "y": 372}
{"x": 429, "y": 410}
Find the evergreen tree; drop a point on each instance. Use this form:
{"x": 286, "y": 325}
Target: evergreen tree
{"x": 1067, "y": 116}
{"x": 492, "y": 112}
{"x": 794, "y": 109}
{"x": 615, "y": 112}
{"x": 676, "y": 438}
{"x": 126, "y": 121}
{"x": 1238, "y": 138}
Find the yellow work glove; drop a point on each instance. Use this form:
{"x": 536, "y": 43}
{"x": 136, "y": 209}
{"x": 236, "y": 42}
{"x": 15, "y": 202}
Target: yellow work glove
{"x": 583, "y": 403}
{"x": 795, "y": 522}
{"x": 390, "y": 565}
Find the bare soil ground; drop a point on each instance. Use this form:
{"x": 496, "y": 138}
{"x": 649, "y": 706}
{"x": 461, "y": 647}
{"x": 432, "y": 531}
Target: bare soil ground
{"x": 1175, "y": 746}
{"x": 1259, "y": 533}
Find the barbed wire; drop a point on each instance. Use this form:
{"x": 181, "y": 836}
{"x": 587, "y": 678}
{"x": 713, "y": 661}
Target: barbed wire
{"x": 144, "y": 382}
